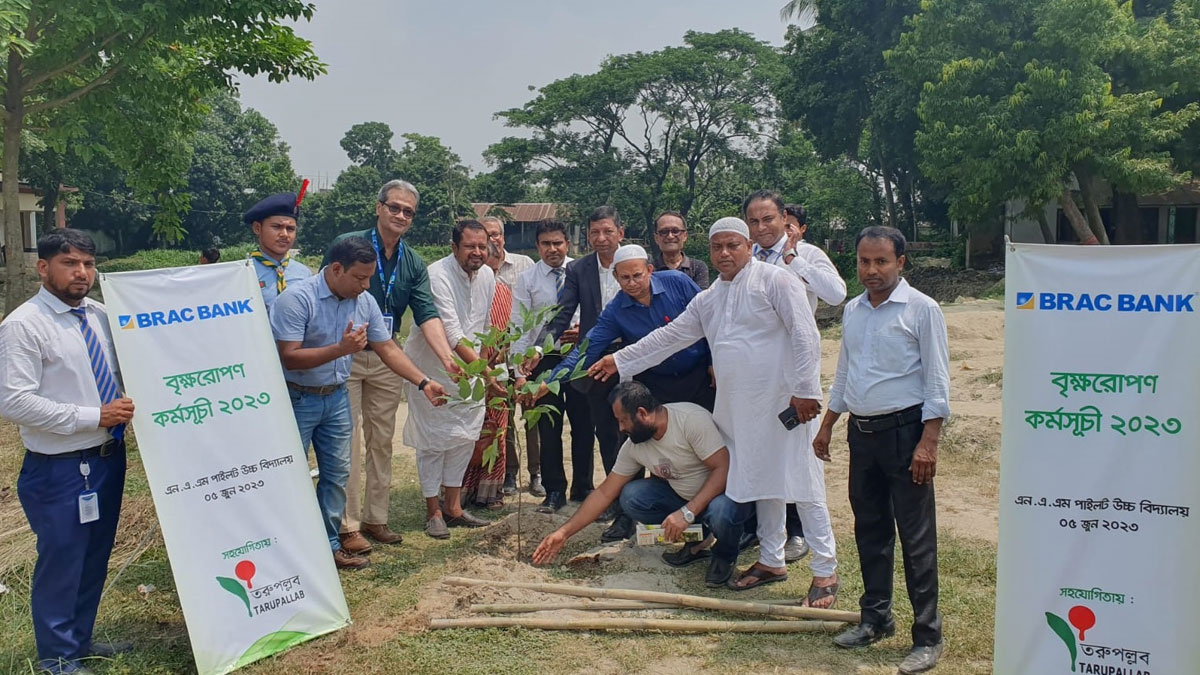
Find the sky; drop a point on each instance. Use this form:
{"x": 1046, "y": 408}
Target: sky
{"x": 445, "y": 68}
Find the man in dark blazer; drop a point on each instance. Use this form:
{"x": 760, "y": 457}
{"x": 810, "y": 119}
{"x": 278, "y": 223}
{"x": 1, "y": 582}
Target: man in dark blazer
{"x": 590, "y": 285}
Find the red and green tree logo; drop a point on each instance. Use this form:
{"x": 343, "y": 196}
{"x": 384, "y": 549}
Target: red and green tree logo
{"x": 245, "y": 571}
{"x": 1082, "y": 618}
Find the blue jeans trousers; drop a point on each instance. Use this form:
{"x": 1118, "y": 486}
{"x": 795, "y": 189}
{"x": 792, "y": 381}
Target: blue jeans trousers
{"x": 325, "y": 422}
{"x": 651, "y": 500}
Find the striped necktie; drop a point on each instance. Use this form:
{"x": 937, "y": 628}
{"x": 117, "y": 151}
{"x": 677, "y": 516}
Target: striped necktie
{"x": 762, "y": 253}
{"x": 560, "y": 280}
{"x": 106, "y": 383}
{"x": 279, "y": 267}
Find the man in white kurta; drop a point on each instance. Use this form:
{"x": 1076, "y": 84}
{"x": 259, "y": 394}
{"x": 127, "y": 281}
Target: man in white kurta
{"x": 778, "y": 234}
{"x": 444, "y": 437}
{"x": 755, "y": 318}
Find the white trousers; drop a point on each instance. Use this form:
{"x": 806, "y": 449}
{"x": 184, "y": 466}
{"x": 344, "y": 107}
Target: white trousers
{"x": 818, "y": 532}
{"x": 437, "y": 468}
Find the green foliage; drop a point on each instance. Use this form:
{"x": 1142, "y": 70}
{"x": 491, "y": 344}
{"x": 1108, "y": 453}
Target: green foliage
{"x": 370, "y": 144}
{"x": 444, "y": 183}
{"x": 1026, "y": 98}
{"x": 157, "y": 258}
{"x": 349, "y": 206}
{"x": 432, "y": 252}
{"x": 491, "y": 382}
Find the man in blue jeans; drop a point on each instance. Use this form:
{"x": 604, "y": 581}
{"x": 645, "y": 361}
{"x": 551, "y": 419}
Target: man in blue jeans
{"x": 319, "y": 324}
{"x": 681, "y": 447}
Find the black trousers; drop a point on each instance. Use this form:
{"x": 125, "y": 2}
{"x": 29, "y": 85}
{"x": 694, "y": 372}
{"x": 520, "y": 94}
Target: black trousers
{"x": 550, "y": 437}
{"x": 694, "y": 386}
{"x": 886, "y": 500}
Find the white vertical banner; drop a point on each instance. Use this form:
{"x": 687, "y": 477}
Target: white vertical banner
{"x": 222, "y": 453}
{"x": 1100, "y": 463}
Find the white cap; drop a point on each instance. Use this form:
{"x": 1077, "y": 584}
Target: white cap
{"x": 628, "y": 252}
{"x": 729, "y": 224}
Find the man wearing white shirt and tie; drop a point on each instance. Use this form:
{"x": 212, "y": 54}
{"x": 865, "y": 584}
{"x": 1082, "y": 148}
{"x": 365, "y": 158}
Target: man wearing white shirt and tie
{"x": 893, "y": 378}
{"x": 60, "y": 387}
{"x": 778, "y": 242}
{"x": 537, "y": 288}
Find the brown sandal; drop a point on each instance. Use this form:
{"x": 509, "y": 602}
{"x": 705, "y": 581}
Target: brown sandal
{"x": 816, "y": 592}
{"x": 759, "y": 576}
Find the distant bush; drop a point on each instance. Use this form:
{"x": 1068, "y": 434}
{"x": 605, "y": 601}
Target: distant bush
{"x": 432, "y": 252}
{"x": 158, "y": 258}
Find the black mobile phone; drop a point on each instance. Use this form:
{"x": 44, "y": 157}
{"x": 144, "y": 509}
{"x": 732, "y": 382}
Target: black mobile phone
{"x": 789, "y": 418}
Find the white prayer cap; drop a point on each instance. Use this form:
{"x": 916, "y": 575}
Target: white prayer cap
{"x": 729, "y": 224}
{"x": 628, "y": 252}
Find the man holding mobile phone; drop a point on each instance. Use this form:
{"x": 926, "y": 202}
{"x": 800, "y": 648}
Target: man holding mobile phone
{"x": 765, "y": 348}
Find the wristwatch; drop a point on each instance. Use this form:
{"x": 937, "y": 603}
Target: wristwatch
{"x": 424, "y": 383}
{"x": 687, "y": 514}
{"x": 791, "y": 252}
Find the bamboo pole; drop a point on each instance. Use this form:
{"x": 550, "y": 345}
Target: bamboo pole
{"x": 676, "y": 599}
{"x": 668, "y": 625}
{"x": 586, "y": 605}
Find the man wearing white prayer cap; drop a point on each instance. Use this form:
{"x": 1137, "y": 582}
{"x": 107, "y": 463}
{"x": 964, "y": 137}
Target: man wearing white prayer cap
{"x": 755, "y": 318}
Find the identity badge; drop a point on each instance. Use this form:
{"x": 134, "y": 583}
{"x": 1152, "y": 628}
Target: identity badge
{"x": 389, "y": 323}
{"x": 89, "y": 506}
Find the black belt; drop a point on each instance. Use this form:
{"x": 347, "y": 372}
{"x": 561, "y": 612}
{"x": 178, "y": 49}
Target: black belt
{"x": 110, "y": 447}
{"x": 888, "y": 421}
{"x": 319, "y": 391}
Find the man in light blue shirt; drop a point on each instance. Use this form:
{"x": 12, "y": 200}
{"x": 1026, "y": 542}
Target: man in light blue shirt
{"x": 319, "y": 324}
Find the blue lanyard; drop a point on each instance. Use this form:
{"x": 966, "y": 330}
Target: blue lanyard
{"x": 383, "y": 283}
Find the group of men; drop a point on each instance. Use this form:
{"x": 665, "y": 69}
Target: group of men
{"x": 704, "y": 372}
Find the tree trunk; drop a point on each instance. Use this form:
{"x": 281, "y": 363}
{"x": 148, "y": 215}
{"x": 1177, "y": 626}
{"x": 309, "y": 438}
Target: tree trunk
{"x": 1075, "y": 217}
{"x": 1047, "y": 234}
{"x": 1087, "y": 190}
{"x": 14, "y": 241}
{"x": 887, "y": 191}
{"x": 1127, "y": 218}
{"x": 910, "y": 204}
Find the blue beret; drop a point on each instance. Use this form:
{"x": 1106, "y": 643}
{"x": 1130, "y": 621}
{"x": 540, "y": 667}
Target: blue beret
{"x": 283, "y": 204}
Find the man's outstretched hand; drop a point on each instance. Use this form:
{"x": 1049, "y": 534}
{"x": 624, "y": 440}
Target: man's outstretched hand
{"x": 549, "y": 548}
{"x": 603, "y": 369}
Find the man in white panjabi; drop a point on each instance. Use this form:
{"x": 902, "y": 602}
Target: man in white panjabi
{"x": 755, "y": 317}
{"x": 778, "y": 234}
{"x": 444, "y": 437}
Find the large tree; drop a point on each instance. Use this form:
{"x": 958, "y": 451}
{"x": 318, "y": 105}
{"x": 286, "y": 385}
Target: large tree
{"x": 140, "y": 70}
{"x": 1048, "y": 99}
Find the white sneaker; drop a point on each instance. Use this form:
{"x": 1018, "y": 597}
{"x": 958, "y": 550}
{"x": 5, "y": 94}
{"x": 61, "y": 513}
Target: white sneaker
{"x": 795, "y": 549}
{"x": 317, "y": 472}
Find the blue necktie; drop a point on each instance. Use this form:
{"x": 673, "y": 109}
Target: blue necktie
{"x": 762, "y": 253}
{"x": 560, "y": 280}
{"x": 106, "y": 383}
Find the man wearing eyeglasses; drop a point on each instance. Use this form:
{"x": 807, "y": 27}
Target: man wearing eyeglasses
{"x": 670, "y": 234}
{"x": 400, "y": 283}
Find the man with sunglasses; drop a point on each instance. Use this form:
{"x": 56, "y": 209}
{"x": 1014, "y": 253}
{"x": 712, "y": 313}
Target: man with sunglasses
{"x": 670, "y": 234}
{"x": 400, "y": 283}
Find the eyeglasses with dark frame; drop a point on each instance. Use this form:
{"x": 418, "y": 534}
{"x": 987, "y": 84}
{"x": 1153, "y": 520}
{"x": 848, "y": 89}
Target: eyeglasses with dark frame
{"x": 671, "y": 232}
{"x": 397, "y": 210}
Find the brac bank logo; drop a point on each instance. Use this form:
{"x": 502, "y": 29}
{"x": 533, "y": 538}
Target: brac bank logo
{"x": 1163, "y": 303}
{"x": 184, "y": 314}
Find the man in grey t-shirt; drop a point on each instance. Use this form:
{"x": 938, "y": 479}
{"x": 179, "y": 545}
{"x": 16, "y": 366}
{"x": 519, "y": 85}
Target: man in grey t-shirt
{"x": 686, "y": 455}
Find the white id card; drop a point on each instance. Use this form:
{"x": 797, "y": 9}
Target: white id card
{"x": 389, "y": 323}
{"x": 89, "y": 506}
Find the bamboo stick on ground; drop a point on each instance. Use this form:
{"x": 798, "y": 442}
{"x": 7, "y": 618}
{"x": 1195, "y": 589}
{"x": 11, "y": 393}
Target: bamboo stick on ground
{"x": 587, "y": 605}
{"x": 675, "y": 599}
{"x": 668, "y": 625}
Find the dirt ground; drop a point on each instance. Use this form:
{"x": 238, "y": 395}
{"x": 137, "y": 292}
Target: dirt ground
{"x": 967, "y": 487}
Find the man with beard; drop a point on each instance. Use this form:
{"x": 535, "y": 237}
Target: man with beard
{"x": 273, "y": 221}
{"x": 60, "y": 387}
{"x": 765, "y": 349}
{"x": 463, "y": 289}
{"x": 778, "y": 233}
{"x": 686, "y": 456}
{"x": 400, "y": 283}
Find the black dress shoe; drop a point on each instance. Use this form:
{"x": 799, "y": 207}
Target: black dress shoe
{"x": 622, "y": 528}
{"x": 554, "y": 501}
{"x": 921, "y": 659}
{"x": 864, "y": 634}
{"x": 686, "y": 555}
{"x": 579, "y": 495}
{"x": 609, "y": 514}
{"x": 110, "y": 649}
{"x": 719, "y": 573}
{"x": 510, "y": 486}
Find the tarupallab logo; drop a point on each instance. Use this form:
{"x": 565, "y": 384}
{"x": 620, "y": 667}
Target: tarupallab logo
{"x": 184, "y": 314}
{"x": 245, "y": 571}
{"x": 1082, "y": 619}
{"x": 1152, "y": 303}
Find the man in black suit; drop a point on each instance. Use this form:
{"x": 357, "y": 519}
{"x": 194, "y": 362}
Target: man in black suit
{"x": 590, "y": 285}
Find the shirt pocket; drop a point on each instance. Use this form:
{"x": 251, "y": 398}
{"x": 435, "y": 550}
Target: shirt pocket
{"x": 892, "y": 347}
